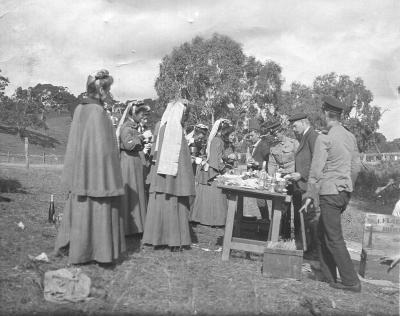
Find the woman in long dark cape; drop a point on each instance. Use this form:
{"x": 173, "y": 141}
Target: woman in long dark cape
{"x": 92, "y": 224}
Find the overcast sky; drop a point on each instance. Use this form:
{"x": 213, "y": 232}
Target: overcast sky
{"x": 62, "y": 41}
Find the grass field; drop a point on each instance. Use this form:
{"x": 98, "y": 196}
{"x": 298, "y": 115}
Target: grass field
{"x": 158, "y": 282}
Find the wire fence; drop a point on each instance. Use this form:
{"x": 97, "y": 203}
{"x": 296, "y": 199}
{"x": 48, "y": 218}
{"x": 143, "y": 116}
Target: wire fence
{"x": 44, "y": 158}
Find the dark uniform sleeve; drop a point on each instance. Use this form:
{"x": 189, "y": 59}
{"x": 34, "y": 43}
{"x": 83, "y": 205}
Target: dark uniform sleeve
{"x": 130, "y": 139}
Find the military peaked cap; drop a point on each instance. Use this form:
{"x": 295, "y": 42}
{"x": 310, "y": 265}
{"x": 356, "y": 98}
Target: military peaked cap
{"x": 297, "y": 117}
{"x": 332, "y": 104}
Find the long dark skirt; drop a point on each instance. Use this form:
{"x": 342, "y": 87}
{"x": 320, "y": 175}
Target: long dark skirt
{"x": 93, "y": 228}
{"x": 167, "y": 221}
{"x": 134, "y": 210}
{"x": 210, "y": 205}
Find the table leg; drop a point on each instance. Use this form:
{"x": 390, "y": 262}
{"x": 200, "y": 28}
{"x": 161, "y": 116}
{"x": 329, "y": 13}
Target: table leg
{"x": 232, "y": 204}
{"x": 278, "y": 208}
{"x": 238, "y": 216}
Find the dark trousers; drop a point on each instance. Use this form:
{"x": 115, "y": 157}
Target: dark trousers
{"x": 287, "y": 215}
{"x": 332, "y": 248}
{"x": 297, "y": 203}
{"x": 263, "y": 207}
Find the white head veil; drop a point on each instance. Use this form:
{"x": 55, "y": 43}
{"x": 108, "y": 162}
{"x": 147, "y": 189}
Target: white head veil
{"x": 122, "y": 121}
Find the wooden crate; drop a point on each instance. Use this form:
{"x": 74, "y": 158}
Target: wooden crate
{"x": 282, "y": 263}
{"x": 381, "y": 239}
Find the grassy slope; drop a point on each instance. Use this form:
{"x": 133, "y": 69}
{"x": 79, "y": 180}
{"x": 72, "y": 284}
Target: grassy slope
{"x": 156, "y": 282}
{"x": 52, "y": 141}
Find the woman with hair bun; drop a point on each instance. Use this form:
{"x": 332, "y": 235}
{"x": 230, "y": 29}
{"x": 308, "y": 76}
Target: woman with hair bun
{"x": 92, "y": 225}
{"x": 210, "y": 205}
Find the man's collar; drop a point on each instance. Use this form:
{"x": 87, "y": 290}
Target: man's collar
{"x": 306, "y": 130}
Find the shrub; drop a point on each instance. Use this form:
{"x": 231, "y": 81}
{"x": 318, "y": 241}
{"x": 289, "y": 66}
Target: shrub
{"x": 377, "y": 175}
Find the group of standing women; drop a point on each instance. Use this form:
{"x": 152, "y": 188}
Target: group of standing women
{"x": 105, "y": 177}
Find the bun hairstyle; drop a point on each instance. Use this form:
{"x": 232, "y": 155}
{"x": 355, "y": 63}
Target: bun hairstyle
{"x": 100, "y": 79}
{"x": 136, "y": 107}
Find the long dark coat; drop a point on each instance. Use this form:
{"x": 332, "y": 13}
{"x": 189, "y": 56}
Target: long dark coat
{"x": 303, "y": 157}
{"x": 132, "y": 173}
{"x": 92, "y": 224}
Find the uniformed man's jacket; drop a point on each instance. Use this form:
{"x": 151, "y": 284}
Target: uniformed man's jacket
{"x": 335, "y": 164}
{"x": 282, "y": 156}
{"x": 261, "y": 152}
{"x": 304, "y": 157}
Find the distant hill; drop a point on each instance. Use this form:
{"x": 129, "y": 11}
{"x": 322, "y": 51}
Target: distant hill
{"x": 53, "y": 141}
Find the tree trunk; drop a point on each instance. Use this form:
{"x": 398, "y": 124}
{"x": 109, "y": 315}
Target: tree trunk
{"x": 20, "y": 132}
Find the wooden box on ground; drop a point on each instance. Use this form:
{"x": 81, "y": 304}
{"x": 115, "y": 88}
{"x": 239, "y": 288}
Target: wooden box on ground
{"x": 381, "y": 239}
{"x": 282, "y": 263}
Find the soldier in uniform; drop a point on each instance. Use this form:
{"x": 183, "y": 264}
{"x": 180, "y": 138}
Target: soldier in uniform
{"x": 282, "y": 159}
{"x": 282, "y": 151}
{"x": 334, "y": 169}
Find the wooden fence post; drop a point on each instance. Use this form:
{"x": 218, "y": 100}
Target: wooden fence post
{"x": 44, "y": 157}
{"x": 26, "y": 153}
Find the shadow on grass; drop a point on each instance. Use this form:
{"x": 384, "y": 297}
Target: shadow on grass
{"x": 11, "y": 186}
{"x": 4, "y": 199}
{"x": 35, "y": 138}
{"x": 193, "y": 235}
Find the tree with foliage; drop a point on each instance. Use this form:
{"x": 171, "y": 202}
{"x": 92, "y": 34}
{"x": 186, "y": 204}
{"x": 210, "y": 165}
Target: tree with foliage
{"x": 381, "y": 145}
{"x": 3, "y": 84}
{"x": 210, "y": 70}
{"x": 301, "y": 98}
{"x": 361, "y": 117}
{"x": 260, "y": 85}
{"x": 53, "y": 97}
{"x": 22, "y": 111}
{"x": 222, "y": 81}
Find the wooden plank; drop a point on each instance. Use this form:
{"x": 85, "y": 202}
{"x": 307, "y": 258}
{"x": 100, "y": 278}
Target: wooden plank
{"x": 263, "y": 194}
{"x": 275, "y": 225}
{"x": 249, "y": 241}
{"x": 248, "y": 247}
{"x": 282, "y": 263}
{"x": 230, "y": 217}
